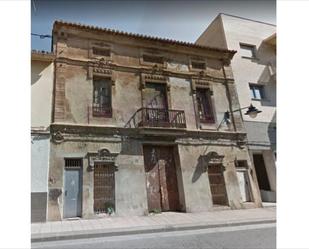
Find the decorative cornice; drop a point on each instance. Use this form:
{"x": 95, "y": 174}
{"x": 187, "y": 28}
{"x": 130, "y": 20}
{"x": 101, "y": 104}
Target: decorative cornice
{"x": 144, "y": 70}
{"x": 155, "y": 77}
{"x": 102, "y": 70}
{"x": 71, "y": 131}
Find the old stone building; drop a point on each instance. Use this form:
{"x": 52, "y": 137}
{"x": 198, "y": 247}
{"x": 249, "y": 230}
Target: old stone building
{"x": 254, "y": 70}
{"x": 137, "y": 126}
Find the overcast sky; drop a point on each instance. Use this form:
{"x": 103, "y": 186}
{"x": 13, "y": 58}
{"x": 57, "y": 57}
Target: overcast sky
{"x": 179, "y": 20}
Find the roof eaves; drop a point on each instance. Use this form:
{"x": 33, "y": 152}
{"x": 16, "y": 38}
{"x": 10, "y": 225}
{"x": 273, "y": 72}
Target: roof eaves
{"x": 140, "y": 36}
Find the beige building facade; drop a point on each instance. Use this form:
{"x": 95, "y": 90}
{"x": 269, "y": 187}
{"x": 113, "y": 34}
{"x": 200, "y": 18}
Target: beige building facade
{"x": 254, "y": 69}
{"x": 42, "y": 75}
{"x": 137, "y": 127}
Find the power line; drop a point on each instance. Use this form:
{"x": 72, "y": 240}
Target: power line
{"x": 41, "y": 36}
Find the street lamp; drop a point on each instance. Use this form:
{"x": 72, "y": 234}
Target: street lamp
{"x": 252, "y": 112}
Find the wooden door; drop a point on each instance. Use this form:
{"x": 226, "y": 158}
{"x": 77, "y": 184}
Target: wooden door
{"x": 161, "y": 178}
{"x": 217, "y": 184}
{"x": 104, "y": 188}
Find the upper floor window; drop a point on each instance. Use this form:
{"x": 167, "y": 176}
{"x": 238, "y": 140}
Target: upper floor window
{"x": 204, "y": 106}
{"x": 247, "y": 51}
{"x": 198, "y": 65}
{"x": 153, "y": 59}
{"x": 256, "y": 91}
{"x": 102, "y": 104}
{"x": 101, "y": 51}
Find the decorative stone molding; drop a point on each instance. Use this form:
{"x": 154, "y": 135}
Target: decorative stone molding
{"x": 212, "y": 158}
{"x": 201, "y": 84}
{"x": 101, "y": 156}
{"x": 241, "y": 144}
{"x": 101, "y": 68}
{"x": 153, "y": 78}
{"x": 57, "y": 137}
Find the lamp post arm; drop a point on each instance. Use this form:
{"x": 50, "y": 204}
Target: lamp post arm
{"x": 240, "y": 109}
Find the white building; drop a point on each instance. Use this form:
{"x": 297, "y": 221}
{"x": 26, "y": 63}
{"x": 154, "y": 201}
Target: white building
{"x": 254, "y": 69}
{"x": 42, "y": 70}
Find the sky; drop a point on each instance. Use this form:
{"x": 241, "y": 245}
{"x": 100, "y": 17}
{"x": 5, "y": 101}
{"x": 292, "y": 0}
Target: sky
{"x": 178, "y": 20}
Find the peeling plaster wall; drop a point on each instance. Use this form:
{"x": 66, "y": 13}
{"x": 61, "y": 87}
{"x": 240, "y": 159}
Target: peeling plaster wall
{"x": 74, "y": 88}
{"x": 130, "y": 186}
{"x": 130, "y": 178}
{"x": 195, "y": 177}
{"x": 182, "y": 99}
{"x": 125, "y": 66}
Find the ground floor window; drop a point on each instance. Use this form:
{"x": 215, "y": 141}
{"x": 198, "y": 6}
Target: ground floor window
{"x": 104, "y": 188}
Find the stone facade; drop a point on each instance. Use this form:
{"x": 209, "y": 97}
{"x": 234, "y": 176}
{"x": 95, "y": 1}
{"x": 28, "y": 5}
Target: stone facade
{"x": 120, "y": 138}
{"x": 259, "y": 70}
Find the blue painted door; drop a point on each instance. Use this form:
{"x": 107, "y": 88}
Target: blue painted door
{"x": 72, "y": 193}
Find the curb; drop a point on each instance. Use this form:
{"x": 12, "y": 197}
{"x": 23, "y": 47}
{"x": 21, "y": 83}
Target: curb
{"x": 140, "y": 230}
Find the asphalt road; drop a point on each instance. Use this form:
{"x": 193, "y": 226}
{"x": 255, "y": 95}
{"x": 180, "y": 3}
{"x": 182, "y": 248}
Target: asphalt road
{"x": 251, "y": 236}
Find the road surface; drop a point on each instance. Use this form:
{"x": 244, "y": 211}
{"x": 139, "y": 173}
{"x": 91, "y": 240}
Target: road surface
{"x": 238, "y": 237}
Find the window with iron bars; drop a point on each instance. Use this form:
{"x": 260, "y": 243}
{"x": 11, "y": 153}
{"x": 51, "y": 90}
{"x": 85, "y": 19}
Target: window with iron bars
{"x": 102, "y": 105}
{"x": 204, "y": 105}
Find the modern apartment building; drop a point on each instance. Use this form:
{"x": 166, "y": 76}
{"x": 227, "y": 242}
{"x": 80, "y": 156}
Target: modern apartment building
{"x": 254, "y": 70}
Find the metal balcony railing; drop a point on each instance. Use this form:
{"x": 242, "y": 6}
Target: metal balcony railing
{"x": 154, "y": 117}
{"x": 101, "y": 111}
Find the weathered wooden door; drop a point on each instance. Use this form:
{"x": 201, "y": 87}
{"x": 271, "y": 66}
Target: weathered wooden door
{"x": 161, "y": 178}
{"x": 217, "y": 184}
{"x": 104, "y": 188}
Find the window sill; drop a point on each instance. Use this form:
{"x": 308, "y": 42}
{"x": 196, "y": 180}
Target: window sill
{"x": 260, "y": 100}
{"x": 102, "y": 115}
{"x": 250, "y": 58}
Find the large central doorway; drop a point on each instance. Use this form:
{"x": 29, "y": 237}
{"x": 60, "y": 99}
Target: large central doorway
{"x": 161, "y": 178}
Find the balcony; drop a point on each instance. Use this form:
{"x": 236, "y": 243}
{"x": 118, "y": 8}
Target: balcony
{"x": 153, "y": 117}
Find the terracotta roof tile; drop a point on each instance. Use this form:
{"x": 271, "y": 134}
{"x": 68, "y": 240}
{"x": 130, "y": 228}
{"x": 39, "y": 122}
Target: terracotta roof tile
{"x": 134, "y": 35}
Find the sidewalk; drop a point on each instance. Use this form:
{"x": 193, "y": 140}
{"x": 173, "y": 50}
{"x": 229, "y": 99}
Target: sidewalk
{"x": 168, "y": 221}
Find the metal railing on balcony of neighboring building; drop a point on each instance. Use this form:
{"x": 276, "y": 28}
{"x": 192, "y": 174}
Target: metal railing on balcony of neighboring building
{"x": 154, "y": 117}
